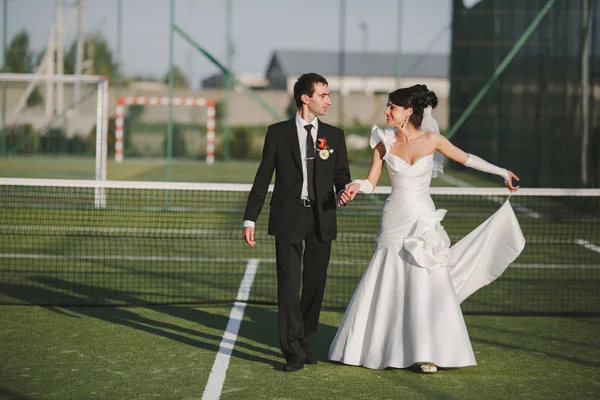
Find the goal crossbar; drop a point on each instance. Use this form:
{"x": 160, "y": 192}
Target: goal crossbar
{"x": 163, "y": 101}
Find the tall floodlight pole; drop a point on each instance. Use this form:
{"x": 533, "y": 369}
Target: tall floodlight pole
{"x": 60, "y": 55}
{"x": 4, "y": 47}
{"x": 170, "y": 105}
{"x": 50, "y": 71}
{"x": 342, "y": 61}
{"x": 227, "y": 84}
{"x": 119, "y": 45}
{"x": 364, "y": 56}
{"x": 79, "y": 46}
{"x": 399, "y": 44}
{"x": 587, "y": 15}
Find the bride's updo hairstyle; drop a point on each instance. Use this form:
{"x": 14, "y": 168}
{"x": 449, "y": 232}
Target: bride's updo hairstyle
{"x": 417, "y": 97}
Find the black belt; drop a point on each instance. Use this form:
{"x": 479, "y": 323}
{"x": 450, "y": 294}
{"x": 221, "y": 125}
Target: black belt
{"x": 307, "y": 203}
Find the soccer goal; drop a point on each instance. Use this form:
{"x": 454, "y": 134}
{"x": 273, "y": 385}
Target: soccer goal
{"x": 57, "y": 115}
{"x": 163, "y": 101}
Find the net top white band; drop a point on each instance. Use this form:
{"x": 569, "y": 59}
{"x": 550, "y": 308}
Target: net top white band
{"x": 242, "y": 187}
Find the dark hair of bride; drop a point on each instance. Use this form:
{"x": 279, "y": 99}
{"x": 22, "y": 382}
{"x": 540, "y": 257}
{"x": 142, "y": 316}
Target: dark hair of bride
{"x": 417, "y": 97}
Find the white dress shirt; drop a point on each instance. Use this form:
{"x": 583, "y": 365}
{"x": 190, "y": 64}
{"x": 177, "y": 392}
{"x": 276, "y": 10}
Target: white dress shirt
{"x": 300, "y": 124}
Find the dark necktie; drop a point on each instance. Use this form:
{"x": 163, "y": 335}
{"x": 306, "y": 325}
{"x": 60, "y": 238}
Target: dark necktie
{"x": 310, "y": 162}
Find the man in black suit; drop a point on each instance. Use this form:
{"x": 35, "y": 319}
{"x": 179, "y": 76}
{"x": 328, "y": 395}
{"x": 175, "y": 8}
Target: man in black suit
{"x": 309, "y": 157}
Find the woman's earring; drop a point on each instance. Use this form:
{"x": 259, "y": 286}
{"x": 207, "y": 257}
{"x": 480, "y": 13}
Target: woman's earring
{"x": 405, "y": 123}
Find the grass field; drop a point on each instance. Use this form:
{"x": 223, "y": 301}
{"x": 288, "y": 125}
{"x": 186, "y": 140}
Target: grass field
{"x": 48, "y": 167}
{"x": 141, "y": 250}
{"x": 167, "y": 352}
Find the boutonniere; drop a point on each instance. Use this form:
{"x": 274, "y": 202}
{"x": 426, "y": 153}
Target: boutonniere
{"x": 324, "y": 150}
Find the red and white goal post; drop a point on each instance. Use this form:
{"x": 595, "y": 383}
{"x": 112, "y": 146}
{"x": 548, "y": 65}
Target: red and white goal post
{"x": 163, "y": 101}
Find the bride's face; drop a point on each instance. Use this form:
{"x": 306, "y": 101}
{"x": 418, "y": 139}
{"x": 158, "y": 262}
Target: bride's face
{"x": 396, "y": 115}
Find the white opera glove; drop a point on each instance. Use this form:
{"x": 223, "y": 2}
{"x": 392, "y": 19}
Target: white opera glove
{"x": 366, "y": 186}
{"x": 477, "y": 163}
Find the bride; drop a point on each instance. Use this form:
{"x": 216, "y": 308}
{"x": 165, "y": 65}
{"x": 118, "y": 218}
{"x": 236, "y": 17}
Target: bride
{"x": 406, "y": 308}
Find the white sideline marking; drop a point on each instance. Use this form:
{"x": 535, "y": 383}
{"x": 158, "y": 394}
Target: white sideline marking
{"x": 363, "y": 262}
{"x": 108, "y": 229}
{"x": 455, "y": 181}
{"x": 554, "y": 266}
{"x": 190, "y": 232}
{"x": 497, "y": 199}
{"x": 219, "y": 370}
{"x": 588, "y": 245}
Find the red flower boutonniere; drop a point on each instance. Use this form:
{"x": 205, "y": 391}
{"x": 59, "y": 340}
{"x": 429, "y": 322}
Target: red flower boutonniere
{"x": 324, "y": 150}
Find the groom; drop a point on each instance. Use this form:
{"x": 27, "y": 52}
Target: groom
{"x": 309, "y": 157}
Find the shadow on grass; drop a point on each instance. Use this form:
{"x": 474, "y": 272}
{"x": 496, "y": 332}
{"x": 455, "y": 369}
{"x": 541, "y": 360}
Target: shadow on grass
{"x": 547, "y": 337}
{"x": 10, "y": 395}
{"x": 537, "y": 349}
{"x": 71, "y": 293}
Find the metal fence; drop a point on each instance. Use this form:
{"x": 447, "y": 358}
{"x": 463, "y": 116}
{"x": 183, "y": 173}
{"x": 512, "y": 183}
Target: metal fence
{"x": 541, "y": 117}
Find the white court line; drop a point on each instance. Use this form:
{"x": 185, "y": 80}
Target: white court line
{"x": 455, "y": 181}
{"x": 42, "y": 229}
{"x": 122, "y": 258}
{"x": 189, "y": 232}
{"x": 554, "y": 266}
{"x": 219, "y": 370}
{"x": 363, "y": 262}
{"x": 588, "y": 245}
{"x": 497, "y": 199}
{"x": 108, "y": 229}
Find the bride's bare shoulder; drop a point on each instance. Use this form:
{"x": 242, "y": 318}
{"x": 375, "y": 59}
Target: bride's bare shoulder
{"x": 429, "y": 135}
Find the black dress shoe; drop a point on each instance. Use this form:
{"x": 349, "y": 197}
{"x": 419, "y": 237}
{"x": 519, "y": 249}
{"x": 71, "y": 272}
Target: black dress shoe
{"x": 293, "y": 367}
{"x": 310, "y": 358}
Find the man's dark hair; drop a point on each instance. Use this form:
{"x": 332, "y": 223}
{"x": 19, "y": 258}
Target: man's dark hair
{"x": 306, "y": 85}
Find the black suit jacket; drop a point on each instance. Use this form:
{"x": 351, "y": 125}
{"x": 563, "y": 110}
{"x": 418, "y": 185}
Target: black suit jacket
{"x": 281, "y": 154}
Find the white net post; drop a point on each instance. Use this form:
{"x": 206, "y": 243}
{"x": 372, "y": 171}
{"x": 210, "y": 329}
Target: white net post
{"x": 101, "y": 141}
{"x": 163, "y": 101}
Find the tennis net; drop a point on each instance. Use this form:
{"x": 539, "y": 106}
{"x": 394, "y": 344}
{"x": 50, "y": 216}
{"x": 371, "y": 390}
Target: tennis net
{"x": 68, "y": 242}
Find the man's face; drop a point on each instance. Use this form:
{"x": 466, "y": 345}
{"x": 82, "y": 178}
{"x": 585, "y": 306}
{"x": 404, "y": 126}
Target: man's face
{"x": 320, "y": 101}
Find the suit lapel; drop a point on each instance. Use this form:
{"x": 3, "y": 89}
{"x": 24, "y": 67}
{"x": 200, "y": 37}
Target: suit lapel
{"x": 292, "y": 133}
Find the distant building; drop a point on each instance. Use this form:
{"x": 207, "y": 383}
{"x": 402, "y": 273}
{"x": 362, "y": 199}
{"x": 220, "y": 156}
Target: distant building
{"x": 148, "y": 85}
{"x": 363, "y": 73}
{"x": 253, "y": 81}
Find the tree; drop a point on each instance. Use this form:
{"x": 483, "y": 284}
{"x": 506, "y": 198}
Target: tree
{"x": 219, "y": 110}
{"x": 18, "y": 57}
{"x": 97, "y": 51}
{"x": 179, "y": 79}
{"x": 18, "y": 60}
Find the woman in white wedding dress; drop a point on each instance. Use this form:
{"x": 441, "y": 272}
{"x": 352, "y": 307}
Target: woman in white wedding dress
{"x": 406, "y": 308}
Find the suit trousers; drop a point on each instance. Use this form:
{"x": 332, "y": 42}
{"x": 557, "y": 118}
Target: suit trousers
{"x": 298, "y": 316}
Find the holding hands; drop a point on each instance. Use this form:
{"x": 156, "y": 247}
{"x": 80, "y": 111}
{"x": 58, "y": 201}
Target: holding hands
{"x": 348, "y": 194}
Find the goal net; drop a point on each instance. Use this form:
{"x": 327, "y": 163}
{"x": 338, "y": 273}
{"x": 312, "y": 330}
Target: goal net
{"x": 53, "y": 124}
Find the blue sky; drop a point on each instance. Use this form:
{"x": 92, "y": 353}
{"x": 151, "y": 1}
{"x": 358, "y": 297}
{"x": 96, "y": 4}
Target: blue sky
{"x": 258, "y": 28}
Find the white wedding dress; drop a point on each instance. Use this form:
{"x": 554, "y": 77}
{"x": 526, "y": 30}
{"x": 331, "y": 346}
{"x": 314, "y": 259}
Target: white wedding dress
{"x": 406, "y": 308}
